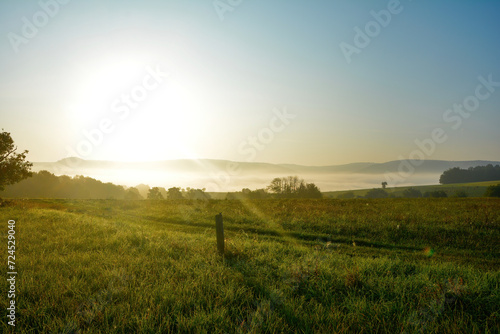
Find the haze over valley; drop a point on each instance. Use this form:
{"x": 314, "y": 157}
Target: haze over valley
{"x": 225, "y": 175}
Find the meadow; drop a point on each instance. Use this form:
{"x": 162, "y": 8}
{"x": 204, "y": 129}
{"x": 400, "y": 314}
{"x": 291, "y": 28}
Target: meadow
{"x": 291, "y": 266}
{"x": 471, "y": 189}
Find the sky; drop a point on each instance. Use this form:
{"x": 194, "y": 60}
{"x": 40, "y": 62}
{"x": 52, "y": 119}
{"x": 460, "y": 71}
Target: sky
{"x": 302, "y": 82}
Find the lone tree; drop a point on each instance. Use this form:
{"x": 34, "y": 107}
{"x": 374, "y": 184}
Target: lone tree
{"x": 13, "y": 166}
{"x": 384, "y": 185}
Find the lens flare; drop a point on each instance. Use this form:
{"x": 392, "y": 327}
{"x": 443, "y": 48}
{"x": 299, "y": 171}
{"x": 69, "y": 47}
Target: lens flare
{"x": 428, "y": 251}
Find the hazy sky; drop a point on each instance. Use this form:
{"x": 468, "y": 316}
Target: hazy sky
{"x": 306, "y": 82}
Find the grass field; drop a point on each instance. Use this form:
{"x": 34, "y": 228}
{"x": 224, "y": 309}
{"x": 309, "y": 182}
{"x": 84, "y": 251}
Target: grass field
{"x": 304, "y": 266}
{"x": 473, "y": 189}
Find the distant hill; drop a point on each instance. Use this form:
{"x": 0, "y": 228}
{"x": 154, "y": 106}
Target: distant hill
{"x": 203, "y": 165}
{"x": 428, "y": 166}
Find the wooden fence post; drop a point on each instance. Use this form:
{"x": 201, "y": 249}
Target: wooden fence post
{"x": 219, "y": 229}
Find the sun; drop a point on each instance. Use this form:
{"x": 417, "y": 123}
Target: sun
{"x": 149, "y": 114}
{"x": 98, "y": 83}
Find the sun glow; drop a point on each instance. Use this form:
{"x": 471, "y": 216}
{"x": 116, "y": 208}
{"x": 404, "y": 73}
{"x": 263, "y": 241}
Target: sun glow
{"x": 150, "y": 115}
{"x": 98, "y": 83}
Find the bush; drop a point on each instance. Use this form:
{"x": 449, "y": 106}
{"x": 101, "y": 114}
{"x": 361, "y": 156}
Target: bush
{"x": 493, "y": 191}
{"x": 412, "y": 193}
{"x": 436, "y": 194}
{"x": 346, "y": 195}
{"x": 461, "y": 193}
{"x": 376, "y": 193}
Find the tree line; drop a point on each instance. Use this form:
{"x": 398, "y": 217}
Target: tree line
{"x": 178, "y": 193}
{"x": 44, "y": 184}
{"x": 472, "y": 174}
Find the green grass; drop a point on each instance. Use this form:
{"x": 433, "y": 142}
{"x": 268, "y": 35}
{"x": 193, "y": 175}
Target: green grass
{"x": 474, "y": 189}
{"x": 305, "y": 266}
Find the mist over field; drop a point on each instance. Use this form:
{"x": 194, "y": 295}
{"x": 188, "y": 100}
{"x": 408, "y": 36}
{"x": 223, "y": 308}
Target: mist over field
{"x": 222, "y": 175}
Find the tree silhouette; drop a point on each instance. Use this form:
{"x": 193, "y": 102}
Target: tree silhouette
{"x": 472, "y": 174}
{"x": 276, "y": 186}
{"x": 191, "y": 193}
{"x": 155, "y": 193}
{"x": 132, "y": 193}
{"x": 384, "y": 185}
{"x": 174, "y": 193}
{"x": 44, "y": 184}
{"x": 13, "y": 166}
{"x": 293, "y": 187}
{"x": 310, "y": 190}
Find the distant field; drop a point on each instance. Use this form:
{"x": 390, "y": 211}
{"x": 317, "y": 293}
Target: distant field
{"x": 476, "y": 189}
{"x": 303, "y": 266}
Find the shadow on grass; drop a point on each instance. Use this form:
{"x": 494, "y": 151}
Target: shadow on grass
{"x": 186, "y": 224}
{"x": 305, "y": 237}
{"x": 266, "y": 301}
